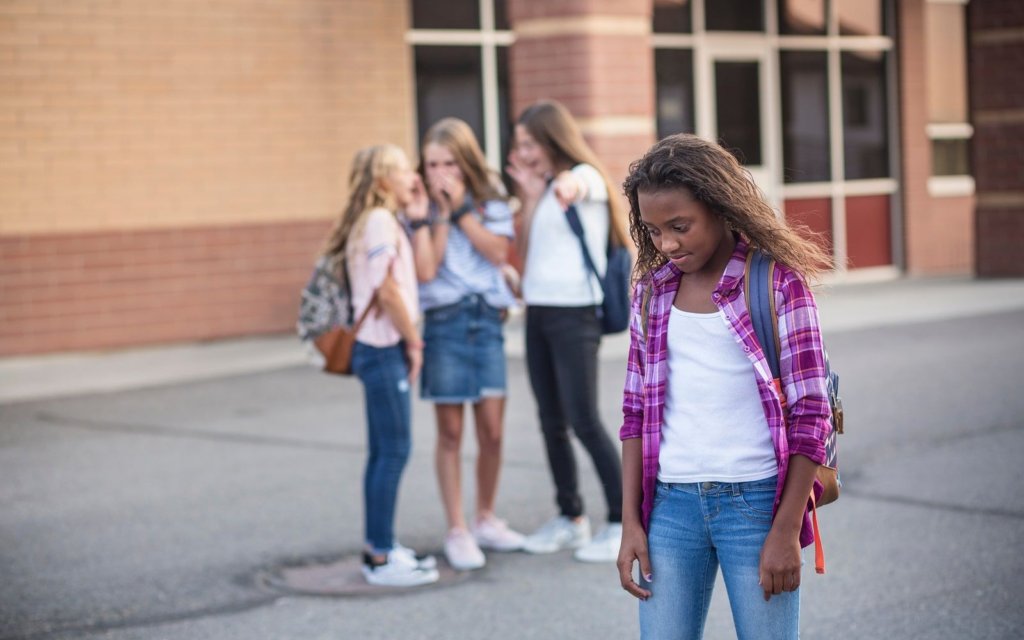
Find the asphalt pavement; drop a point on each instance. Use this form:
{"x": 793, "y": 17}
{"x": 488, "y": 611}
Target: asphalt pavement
{"x": 154, "y": 507}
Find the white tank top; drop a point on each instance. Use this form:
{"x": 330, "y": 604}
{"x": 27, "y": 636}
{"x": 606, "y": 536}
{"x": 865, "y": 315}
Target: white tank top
{"x": 714, "y": 426}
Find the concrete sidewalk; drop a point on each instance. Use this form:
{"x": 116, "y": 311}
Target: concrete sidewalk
{"x": 843, "y": 307}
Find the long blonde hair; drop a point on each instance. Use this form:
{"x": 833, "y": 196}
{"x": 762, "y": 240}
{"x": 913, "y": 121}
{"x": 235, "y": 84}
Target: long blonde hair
{"x": 714, "y": 177}
{"x": 555, "y": 130}
{"x": 367, "y": 190}
{"x": 457, "y": 137}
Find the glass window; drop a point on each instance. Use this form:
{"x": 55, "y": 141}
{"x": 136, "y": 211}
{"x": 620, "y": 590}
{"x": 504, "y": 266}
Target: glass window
{"x": 738, "y": 109}
{"x": 862, "y": 17}
{"x": 448, "y": 83}
{"x": 951, "y": 157}
{"x": 805, "y": 141}
{"x": 504, "y": 113}
{"x": 450, "y": 14}
{"x": 802, "y": 17}
{"x": 501, "y": 22}
{"x": 673, "y": 16}
{"x": 673, "y": 70}
{"x": 734, "y": 15}
{"x": 865, "y": 116}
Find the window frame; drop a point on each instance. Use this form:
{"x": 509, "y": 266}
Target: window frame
{"x": 487, "y": 39}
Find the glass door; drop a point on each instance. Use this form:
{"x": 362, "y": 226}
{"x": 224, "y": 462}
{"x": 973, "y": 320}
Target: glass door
{"x": 736, "y": 104}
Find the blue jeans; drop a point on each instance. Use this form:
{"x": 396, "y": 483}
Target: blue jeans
{"x": 384, "y": 374}
{"x": 694, "y": 528}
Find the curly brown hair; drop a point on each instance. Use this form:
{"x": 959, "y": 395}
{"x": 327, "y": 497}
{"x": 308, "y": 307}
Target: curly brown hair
{"x": 714, "y": 177}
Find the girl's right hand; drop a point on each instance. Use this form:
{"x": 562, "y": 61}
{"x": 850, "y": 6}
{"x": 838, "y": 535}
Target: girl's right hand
{"x": 634, "y": 547}
{"x": 529, "y": 185}
{"x": 414, "y": 358}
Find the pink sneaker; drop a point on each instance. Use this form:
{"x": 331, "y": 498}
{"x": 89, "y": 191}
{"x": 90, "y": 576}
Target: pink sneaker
{"x": 495, "y": 535}
{"x": 462, "y": 551}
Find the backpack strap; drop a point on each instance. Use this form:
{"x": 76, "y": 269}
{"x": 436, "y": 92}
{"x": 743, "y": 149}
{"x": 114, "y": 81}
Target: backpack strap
{"x": 758, "y": 280}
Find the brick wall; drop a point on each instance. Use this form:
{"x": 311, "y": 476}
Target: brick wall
{"x": 173, "y": 147}
{"x": 997, "y": 109}
{"x": 595, "y": 56}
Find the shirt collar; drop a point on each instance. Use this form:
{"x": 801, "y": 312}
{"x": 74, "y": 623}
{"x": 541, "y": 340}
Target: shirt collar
{"x": 733, "y": 274}
{"x": 669, "y": 273}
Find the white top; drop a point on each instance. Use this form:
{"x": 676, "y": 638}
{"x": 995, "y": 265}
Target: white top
{"x": 714, "y": 426}
{"x": 556, "y": 274}
{"x": 383, "y": 247}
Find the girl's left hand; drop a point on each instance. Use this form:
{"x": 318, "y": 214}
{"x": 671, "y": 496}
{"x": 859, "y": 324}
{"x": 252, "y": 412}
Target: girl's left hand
{"x": 567, "y": 189}
{"x": 419, "y": 207}
{"x": 780, "y": 563}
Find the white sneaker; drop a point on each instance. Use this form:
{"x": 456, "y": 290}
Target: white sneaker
{"x": 397, "y": 572}
{"x": 559, "y": 533}
{"x": 494, "y": 534}
{"x": 462, "y": 551}
{"x": 407, "y": 555}
{"x": 604, "y": 547}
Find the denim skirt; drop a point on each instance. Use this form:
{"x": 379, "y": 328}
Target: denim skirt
{"x": 464, "y": 357}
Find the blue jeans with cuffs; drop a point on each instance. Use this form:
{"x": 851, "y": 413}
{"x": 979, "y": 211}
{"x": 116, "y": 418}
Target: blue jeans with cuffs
{"x": 384, "y": 374}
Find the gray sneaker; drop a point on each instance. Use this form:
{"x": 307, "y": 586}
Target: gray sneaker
{"x": 559, "y": 533}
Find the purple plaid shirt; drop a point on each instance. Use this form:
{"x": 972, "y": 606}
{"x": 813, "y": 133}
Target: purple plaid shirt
{"x": 799, "y": 428}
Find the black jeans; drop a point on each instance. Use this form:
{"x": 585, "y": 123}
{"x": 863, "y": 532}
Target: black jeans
{"x": 561, "y": 355}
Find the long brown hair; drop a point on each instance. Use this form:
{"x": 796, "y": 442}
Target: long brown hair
{"x": 367, "y": 190}
{"x": 555, "y": 130}
{"x": 714, "y": 177}
{"x": 457, "y": 137}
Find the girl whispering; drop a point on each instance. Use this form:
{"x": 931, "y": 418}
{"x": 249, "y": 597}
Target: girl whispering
{"x": 460, "y": 249}
{"x": 717, "y": 467}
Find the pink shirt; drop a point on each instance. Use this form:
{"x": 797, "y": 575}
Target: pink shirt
{"x": 382, "y": 246}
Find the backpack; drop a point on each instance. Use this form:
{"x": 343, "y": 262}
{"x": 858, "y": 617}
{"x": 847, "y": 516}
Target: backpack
{"x": 614, "y": 311}
{"x": 759, "y": 275}
{"x": 327, "y": 325}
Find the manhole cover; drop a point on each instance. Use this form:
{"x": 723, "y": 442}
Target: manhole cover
{"x": 344, "y": 577}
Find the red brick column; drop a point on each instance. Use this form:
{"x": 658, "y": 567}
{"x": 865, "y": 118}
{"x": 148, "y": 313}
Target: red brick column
{"x": 996, "y": 43}
{"x": 916, "y": 159}
{"x": 595, "y": 56}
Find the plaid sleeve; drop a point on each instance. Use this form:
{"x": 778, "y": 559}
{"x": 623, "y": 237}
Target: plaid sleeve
{"x": 633, "y": 394}
{"x": 802, "y": 366}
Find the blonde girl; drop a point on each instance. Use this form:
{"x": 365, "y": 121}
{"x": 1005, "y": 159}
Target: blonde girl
{"x": 370, "y": 244}
{"x": 460, "y": 248}
{"x": 717, "y": 465}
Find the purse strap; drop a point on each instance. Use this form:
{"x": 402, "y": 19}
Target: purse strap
{"x": 374, "y": 299}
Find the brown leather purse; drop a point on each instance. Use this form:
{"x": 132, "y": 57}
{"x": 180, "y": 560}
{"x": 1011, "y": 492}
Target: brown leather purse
{"x": 336, "y": 345}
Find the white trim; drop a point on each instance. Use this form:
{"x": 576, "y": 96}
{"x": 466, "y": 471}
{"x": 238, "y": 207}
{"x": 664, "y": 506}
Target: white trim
{"x": 836, "y": 146}
{"x": 950, "y": 186}
{"x": 864, "y": 43}
{"x": 806, "y": 190}
{"x": 459, "y": 37}
{"x": 874, "y": 187}
{"x": 673, "y": 40}
{"x": 804, "y": 42}
{"x": 584, "y": 25}
{"x": 862, "y": 275}
{"x": 950, "y": 131}
{"x": 618, "y": 125}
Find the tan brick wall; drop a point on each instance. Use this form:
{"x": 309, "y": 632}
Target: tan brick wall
{"x": 156, "y": 114}
{"x": 168, "y": 168}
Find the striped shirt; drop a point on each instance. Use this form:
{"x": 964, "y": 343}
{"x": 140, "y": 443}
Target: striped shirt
{"x": 799, "y": 429}
{"x": 465, "y": 270}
